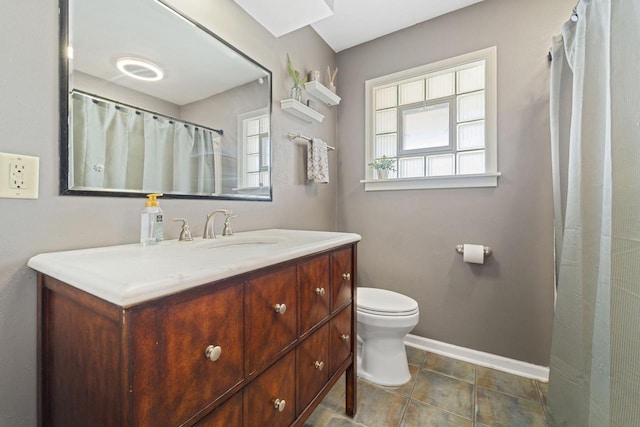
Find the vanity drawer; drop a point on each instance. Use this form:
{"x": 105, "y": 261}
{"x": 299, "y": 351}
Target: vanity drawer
{"x": 313, "y": 366}
{"x": 340, "y": 336}
{"x": 270, "y": 399}
{"x": 313, "y": 279}
{"x": 271, "y": 320}
{"x": 229, "y": 414}
{"x": 341, "y": 278}
{"x": 172, "y": 377}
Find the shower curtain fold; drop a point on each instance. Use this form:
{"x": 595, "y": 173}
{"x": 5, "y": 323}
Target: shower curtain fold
{"x": 594, "y": 373}
{"x": 120, "y": 148}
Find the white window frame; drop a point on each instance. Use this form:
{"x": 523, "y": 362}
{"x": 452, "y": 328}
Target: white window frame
{"x": 242, "y": 147}
{"x": 487, "y": 179}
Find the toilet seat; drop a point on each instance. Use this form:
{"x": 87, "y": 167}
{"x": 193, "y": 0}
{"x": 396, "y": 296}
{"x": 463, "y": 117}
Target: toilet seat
{"x": 382, "y": 302}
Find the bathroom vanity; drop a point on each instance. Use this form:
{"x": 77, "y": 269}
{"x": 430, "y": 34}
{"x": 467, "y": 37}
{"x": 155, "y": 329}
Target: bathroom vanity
{"x": 248, "y": 330}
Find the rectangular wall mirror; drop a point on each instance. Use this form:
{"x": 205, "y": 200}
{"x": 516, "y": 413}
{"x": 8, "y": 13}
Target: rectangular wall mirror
{"x": 153, "y": 102}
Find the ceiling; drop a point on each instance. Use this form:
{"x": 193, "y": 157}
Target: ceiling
{"x": 352, "y": 22}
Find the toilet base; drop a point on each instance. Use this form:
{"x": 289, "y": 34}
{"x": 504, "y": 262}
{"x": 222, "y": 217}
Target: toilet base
{"x": 387, "y": 358}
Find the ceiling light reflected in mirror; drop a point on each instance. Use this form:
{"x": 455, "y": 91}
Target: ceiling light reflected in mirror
{"x": 140, "y": 69}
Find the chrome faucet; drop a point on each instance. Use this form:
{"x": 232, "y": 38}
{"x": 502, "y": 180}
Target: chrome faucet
{"x": 209, "y": 231}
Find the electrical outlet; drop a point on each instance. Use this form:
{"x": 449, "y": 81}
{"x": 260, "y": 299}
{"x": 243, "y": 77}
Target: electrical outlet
{"x": 18, "y": 176}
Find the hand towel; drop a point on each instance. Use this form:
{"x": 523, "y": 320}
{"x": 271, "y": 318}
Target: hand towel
{"x": 317, "y": 161}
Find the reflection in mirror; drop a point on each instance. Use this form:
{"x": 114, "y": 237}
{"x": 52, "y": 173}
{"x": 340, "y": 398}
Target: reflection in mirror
{"x": 157, "y": 103}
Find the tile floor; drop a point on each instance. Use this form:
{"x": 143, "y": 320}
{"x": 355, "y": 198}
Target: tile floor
{"x": 442, "y": 392}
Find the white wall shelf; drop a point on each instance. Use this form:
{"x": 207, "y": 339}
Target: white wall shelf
{"x": 300, "y": 110}
{"x": 321, "y": 93}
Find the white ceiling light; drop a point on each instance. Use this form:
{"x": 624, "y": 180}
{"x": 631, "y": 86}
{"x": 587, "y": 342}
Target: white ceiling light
{"x": 140, "y": 69}
{"x": 283, "y": 16}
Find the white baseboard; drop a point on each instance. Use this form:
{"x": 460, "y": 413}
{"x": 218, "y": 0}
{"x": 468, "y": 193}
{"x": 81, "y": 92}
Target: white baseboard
{"x": 489, "y": 360}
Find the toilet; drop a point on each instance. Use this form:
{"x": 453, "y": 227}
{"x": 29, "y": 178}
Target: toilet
{"x": 384, "y": 318}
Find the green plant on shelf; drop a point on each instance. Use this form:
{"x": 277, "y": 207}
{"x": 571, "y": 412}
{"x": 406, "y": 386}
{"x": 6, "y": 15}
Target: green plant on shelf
{"x": 298, "y": 79}
{"x": 384, "y": 163}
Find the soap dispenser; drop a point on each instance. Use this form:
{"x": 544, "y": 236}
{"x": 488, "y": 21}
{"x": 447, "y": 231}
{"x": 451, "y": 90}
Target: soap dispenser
{"x": 151, "y": 230}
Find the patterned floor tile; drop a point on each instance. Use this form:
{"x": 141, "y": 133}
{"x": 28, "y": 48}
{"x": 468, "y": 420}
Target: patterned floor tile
{"x": 444, "y": 392}
{"x": 407, "y": 388}
{"x": 543, "y": 388}
{"x": 378, "y": 407}
{"x": 500, "y": 410}
{"x": 440, "y": 394}
{"x": 415, "y": 356}
{"x": 454, "y": 368}
{"x": 325, "y": 417}
{"x": 419, "y": 414}
{"x": 506, "y": 383}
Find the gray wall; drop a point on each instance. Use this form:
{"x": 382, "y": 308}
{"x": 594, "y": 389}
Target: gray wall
{"x": 29, "y": 117}
{"x": 504, "y": 307}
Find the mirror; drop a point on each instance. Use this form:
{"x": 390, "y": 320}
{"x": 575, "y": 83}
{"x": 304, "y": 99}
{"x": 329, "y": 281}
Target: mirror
{"x": 153, "y": 102}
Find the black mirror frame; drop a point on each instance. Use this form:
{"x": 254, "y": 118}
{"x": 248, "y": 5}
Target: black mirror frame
{"x": 63, "y": 70}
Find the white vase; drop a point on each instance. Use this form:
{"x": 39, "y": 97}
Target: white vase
{"x": 382, "y": 173}
{"x": 296, "y": 92}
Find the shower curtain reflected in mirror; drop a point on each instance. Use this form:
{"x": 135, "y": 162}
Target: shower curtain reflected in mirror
{"x": 594, "y": 377}
{"x": 118, "y": 148}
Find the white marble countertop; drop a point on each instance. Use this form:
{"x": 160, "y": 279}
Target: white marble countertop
{"x": 129, "y": 274}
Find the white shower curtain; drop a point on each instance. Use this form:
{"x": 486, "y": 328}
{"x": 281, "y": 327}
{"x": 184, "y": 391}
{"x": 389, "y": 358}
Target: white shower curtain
{"x": 121, "y": 148}
{"x": 595, "y": 357}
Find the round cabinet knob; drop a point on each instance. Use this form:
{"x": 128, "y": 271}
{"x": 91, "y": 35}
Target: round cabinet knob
{"x": 280, "y": 308}
{"x": 213, "y": 352}
{"x": 319, "y": 365}
{"x": 320, "y": 291}
{"x": 345, "y": 338}
{"x": 279, "y": 404}
{"x": 346, "y": 276}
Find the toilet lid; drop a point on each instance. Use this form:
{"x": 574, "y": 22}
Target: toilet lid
{"x": 385, "y": 302}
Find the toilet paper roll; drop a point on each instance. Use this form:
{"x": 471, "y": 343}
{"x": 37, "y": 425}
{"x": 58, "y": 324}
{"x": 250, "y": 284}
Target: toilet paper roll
{"x": 473, "y": 254}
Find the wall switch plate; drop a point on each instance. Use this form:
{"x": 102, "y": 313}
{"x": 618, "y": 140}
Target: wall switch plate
{"x": 19, "y": 176}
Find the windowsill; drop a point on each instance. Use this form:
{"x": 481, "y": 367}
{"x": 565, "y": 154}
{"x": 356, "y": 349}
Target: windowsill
{"x": 450, "y": 181}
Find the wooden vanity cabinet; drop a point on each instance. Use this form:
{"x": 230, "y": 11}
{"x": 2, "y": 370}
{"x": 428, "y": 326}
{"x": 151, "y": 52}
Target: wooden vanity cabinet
{"x": 315, "y": 294}
{"x": 271, "y": 322}
{"x": 270, "y": 399}
{"x": 172, "y": 377}
{"x": 313, "y": 366}
{"x": 342, "y": 278}
{"x": 340, "y": 337}
{"x": 219, "y": 354}
{"x": 229, "y": 414}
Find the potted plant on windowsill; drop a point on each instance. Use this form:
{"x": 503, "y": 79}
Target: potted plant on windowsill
{"x": 382, "y": 166}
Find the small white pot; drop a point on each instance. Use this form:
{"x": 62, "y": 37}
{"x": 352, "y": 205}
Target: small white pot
{"x": 382, "y": 173}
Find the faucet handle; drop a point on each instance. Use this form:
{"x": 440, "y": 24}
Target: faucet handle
{"x": 227, "y": 231}
{"x": 185, "y": 233}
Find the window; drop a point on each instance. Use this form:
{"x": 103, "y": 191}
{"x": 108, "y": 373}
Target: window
{"x": 254, "y": 158}
{"x": 437, "y": 122}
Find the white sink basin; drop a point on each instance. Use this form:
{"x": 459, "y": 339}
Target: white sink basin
{"x": 129, "y": 274}
{"x": 233, "y": 241}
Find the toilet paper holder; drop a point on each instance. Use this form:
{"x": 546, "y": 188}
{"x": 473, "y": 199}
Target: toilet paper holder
{"x": 487, "y": 250}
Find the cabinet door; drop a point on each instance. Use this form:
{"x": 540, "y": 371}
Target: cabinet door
{"x": 229, "y": 414}
{"x": 313, "y": 279}
{"x": 271, "y": 325}
{"x": 341, "y": 278}
{"x": 340, "y": 336}
{"x": 173, "y": 377}
{"x": 270, "y": 399}
{"x": 313, "y": 366}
